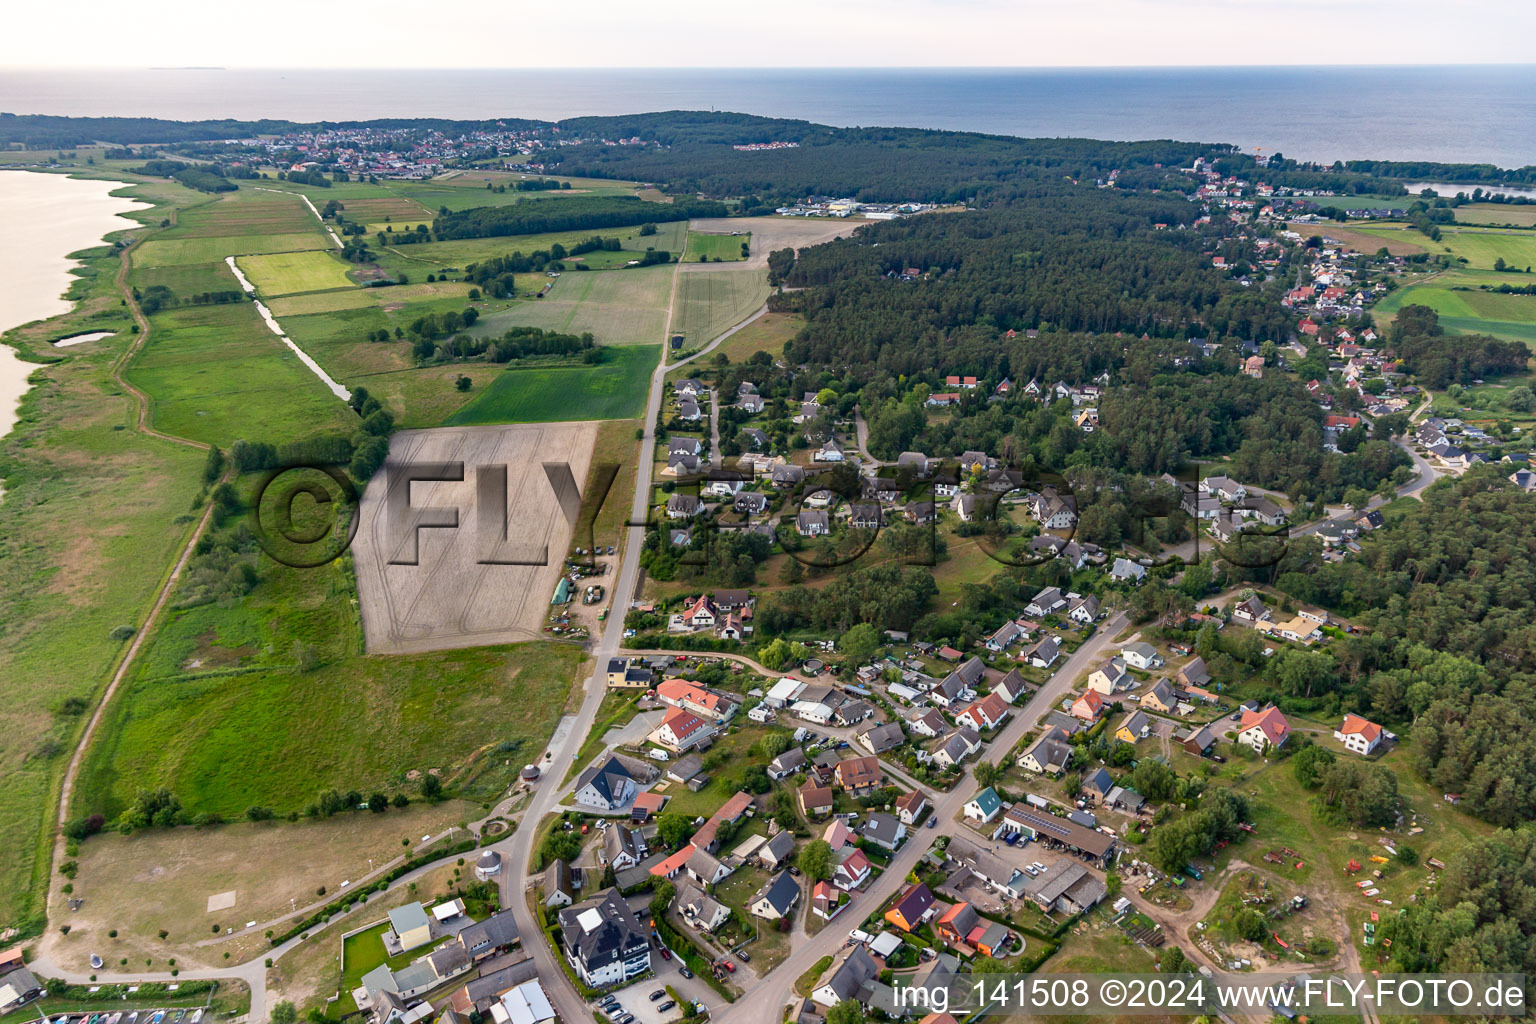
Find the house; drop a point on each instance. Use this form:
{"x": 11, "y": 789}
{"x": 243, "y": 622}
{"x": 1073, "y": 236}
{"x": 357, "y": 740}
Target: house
{"x": 1251, "y": 611}
{"x": 838, "y": 835}
{"x": 680, "y": 465}
{"x": 965, "y": 507}
{"x": 859, "y": 775}
{"x": 701, "y": 910}
{"x": 911, "y": 908}
{"x": 852, "y": 712}
{"x": 776, "y": 852}
{"x": 684, "y": 769}
{"x": 624, "y": 676}
{"x": 411, "y": 926}
{"x": 776, "y": 898}
{"x": 18, "y": 986}
{"x": 848, "y": 976}
{"x": 486, "y": 938}
{"x": 1066, "y": 887}
{"x": 925, "y": 722}
{"x": 1050, "y": 755}
{"x": 1097, "y": 785}
{"x": 700, "y": 613}
{"x": 1358, "y": 735}
{"x": 1141, "y": 655}
{"x": 958, "y": 746}
{"x": 950, "y": 690}
{"x": 1194, "y": 673}
{"x": 1008, "y": 634}
{"x": 1126, "y": 800}
{"x": 672, "y": 865}
{"x": 559, "y": 885}
{"x": 1011, "y": 687}
{"x": 814, "y": 800}
{"x": 683, "y": 506}
{"x": 624, "y": 847}
{"x": 986, "y": 713}
{"x": 787, "y": 763}
{"x": 829, "y": 452}
{"x": 910, "y": 807}
{"x": 826, "y": 901}
{"x": 956, "y": 923}
{"x": 1162, "y": 697}
{"x": 681, "y": 730}
{"x": 984, "y": 806}
{"x": 1110, "y": 678}
{"x": 729, "y": 812}
{"x": 1044, "y": 653}
{"x": 705, "y": 868}
{"x": 1263, "y": 729}
{"x": 604, "y": 941}
{"x": 1045, "y": 602}
{"x": 1199, "y": 741}
{"x": 852, "y": 871}
{"x": 750, "y": 503}
{"x": 811, "y": 522}
{"x": 1089, "y": 706}
{"x": 884, "y": 830}
{"x": 710, "y": 705}
{"x": 923, "y": 513}
{"x": 786, "y": 476}
{"x": 1083, "y": 609}
{"x": 1135, "y": 726}
{"x": 877, "y": 738}
{"x": 863, "y": 516}
{"x": 1224, "y": 488}
{"x": 1126, "y": 571}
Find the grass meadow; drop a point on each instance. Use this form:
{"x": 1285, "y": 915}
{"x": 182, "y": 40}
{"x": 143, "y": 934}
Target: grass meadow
{"x": 458, "y": 252}
{"x": 213, "y": 248}
{"x": 725, "y": 248}
{"x": 1465, "y": 308}
{"x": 216, "y": 374}
{"x": 621, "y": 307}
{"x": 286, "y": 273}
{"x": 712, "y": 301}
{"x": 613, "y": 390}
{"x": 220, "y": 710}
{"x": 1498, "y": 214}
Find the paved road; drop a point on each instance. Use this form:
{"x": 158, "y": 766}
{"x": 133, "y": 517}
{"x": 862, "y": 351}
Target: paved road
{"x": 765, "y": 1000}
{"x": 517, "y": 850}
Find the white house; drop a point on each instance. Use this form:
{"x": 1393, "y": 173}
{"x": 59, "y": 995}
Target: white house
{"x": 1358, "y": 735}
{"x": 1141, "y": 655}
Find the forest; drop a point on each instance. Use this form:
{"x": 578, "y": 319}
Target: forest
{"x": 1439, "y": 360}
{"x": 579, "y": 213}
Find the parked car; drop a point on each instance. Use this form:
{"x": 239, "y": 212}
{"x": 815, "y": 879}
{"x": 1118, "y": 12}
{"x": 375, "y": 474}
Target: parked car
{"x": 745, "y": 956}
{"x": 666, "y": 954}
{"x": 658, "y": 994}
{"x": 668, "y": 1005}
{"x": 684, "y": 971}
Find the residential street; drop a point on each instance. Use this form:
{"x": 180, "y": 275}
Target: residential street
{"x": 763, "y": 1001}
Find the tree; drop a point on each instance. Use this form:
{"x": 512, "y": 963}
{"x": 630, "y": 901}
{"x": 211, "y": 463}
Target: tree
{"x": 815, "y": 860}
{"x": 1173, "y": 960}
{"x": 285, "y": 1013}
{"x": 1310, "y": 762}
{"x": 662, "y": 898}
{"x": 674, "y": 829}
{"x": 1249, "y": 924}
{"x": 860, "y": 644}
{"x": 987, "y": 773}
{"x": 463, "y": 383}
{"x": 848, "y": 1011}
{"x": 775, "y": 655}
{"x": 378, "y": 803}
{"x": 1520, "y": 399}
{"x": 431, "y": 788}
{"x": 215, "y": 464}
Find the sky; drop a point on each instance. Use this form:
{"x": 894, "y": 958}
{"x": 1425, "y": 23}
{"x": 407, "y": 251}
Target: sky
{"x": 787, "y": 33}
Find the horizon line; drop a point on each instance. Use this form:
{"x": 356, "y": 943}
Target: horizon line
{"x": 952, "y": 68}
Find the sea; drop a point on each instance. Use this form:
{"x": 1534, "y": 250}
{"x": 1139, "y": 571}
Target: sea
{"x": 1457, "y": 113}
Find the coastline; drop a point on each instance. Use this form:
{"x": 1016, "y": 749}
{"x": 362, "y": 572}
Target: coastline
{"x": 49, "y": 217}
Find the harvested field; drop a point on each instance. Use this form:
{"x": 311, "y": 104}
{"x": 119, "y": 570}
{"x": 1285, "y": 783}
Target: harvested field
{"x": 290, "y": 272}
{"x": 711, "y": 299}
{"x": 619, "y": 307}
{"x": 1398, "y": 243}
{"x": 448, "y": 599}
{"x": 771, "y": 233}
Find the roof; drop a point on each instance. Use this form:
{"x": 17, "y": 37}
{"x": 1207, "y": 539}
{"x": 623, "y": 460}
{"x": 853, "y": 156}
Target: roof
{"x": 910, "y": 801}
{"x": 497, "y": 930}
{"x": 674, "y": 863}
{"x": 1269, "y": 720}
{"x": 987, "y": 800}
{"x": 1099, "y": 781}
{"x": 914, "y": 903}
{"x": 408, "y": 918}
{"x": 859, "y": 772}
{"x": 1089, "y": 841}
{"x": 848, "y": 975}
{"x": 703, "y": 863}
{"x": 1355, "y": 725}
{"x": 883, "y": 827}
{"x": 780, "y": 892}
{"x": 1141, "y": 649}
{"x": 604, "y": 778}
{"x": 1135, "y": 722}
{"x": 779, "y": 847}
{"x": 813, "y": 795}
{"x": 732, "y": 809}
{"x": 1065, "y": 878}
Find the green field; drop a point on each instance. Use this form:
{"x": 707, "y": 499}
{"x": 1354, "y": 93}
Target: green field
{"x": 1480, "y": 247}
{"x": 1496, "y": 213}
{"x": 615, "y": 390}
{"x": 459, "y": 252}
{"x": 247, "y": 211}
{"x": 1465, "y": 308}
{"x": 213, "y": 248}
{"x": 219, "y": 711}
{"x": 619, "y": 307}
{"x": 710, "y": 302}
{"x": 290, "y": 272}
{"x": 216, "y": 374}
{"x": 725, "y": 248}
{"x": 360, "y": 298}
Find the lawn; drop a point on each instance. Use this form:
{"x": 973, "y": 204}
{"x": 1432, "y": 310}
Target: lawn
{"x": 289, "y": 272}
{"x": 710, "y": 302}
{"x": 216, "y": 374}
{"x": 614, "y": 390}
{"x": 724, "y": 248}
{"x": 220, "y": 710}
{"x": 94, "y": 515}
{"x": 618, "y": 307}
{"x": 363, "y": 952}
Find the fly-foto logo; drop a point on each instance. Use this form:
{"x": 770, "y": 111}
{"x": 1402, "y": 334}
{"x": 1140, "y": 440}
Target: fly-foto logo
{"x": 307, "y": 516}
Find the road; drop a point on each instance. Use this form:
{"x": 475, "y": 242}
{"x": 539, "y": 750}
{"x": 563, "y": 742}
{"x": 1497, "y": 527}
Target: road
{"x": 861, "y": 435}
{"x": 765, "y": 1000}
{"x": 517, "y": 850}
